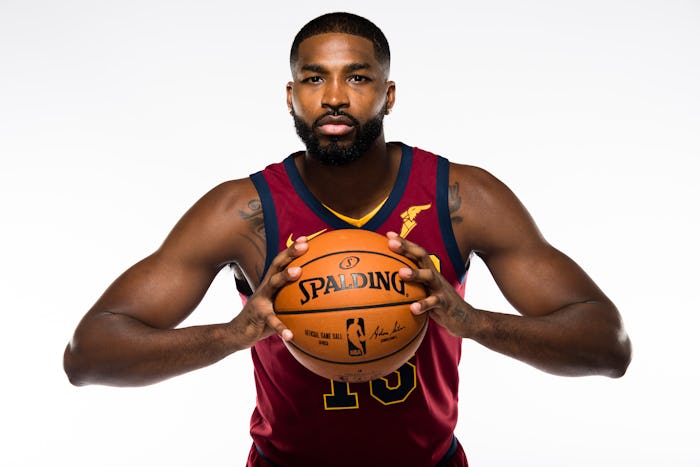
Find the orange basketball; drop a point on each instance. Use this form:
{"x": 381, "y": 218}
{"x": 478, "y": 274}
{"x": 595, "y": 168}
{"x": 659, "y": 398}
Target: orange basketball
{"x": 349, "y": 309}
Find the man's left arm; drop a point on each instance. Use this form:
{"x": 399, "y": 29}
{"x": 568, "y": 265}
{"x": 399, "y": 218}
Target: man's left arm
{"x": 567, "y": 325}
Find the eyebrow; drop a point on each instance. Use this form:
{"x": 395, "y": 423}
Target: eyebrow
{"x": 315, "y": 68}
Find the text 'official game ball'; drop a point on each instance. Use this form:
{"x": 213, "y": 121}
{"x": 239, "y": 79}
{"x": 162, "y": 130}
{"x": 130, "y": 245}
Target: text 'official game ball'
{"x": 349, "y": 309}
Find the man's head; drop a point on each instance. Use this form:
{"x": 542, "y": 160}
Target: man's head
{"x": 340, "y": 92}
{"x": 344, "y": 23}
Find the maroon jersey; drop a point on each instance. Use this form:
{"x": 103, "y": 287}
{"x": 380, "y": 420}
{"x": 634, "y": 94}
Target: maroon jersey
{"x": 406, "y": 418}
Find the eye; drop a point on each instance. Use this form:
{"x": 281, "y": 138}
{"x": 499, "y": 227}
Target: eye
{"x": 358, "y": 79}
{"x": 312, "y": 79}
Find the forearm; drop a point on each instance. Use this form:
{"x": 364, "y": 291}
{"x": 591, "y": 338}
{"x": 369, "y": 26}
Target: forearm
{"x": 580, "y": 339}
{"x": 126, "y": 352}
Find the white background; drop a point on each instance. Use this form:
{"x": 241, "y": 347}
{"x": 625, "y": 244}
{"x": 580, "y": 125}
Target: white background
{"x": 116, "y": 116}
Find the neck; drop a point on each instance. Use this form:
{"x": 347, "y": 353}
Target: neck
{"x": 356, "y": 188}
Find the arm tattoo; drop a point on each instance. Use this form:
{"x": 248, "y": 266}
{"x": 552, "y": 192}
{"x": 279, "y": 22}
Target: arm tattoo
{"x": 454, "y": 202}
{"x": 255, "y": 235}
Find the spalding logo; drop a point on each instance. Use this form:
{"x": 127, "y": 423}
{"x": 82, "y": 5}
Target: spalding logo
{"x": 382, "y": 280}
{"x": 349, "y": 262}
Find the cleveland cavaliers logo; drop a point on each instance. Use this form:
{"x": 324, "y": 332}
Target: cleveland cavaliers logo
{"x": 409, "y": 218}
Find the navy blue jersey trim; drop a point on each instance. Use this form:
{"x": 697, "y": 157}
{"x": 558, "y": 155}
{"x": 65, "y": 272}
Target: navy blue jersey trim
{"x": 448, "y": 236}
{"x": 396, "y": 193}
{"x": 269, "y": 217}
{"x": 309, "y": 199}
{"x": 450, "y": 452}
{"x": 334, "y": 221}
{"x": 264, "y": 457}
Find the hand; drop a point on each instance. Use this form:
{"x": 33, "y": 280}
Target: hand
{"x": 258, "y": 320}
{"x": 443, "y": 303}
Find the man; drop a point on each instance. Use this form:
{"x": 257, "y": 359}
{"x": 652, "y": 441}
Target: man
{"x": 436, "y": 213}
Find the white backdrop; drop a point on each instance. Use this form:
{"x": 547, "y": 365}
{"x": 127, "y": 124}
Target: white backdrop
{"x": 116, "y": 116}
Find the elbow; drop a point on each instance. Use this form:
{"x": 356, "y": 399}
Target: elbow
{"x": 74, "y": 369}
{"x": 622, "y": 360}
{"x": 71, "y": 368}
{"x": 619, "y": 356}
{"x": 616, "y": 348}
{"x": 86, "y": 357}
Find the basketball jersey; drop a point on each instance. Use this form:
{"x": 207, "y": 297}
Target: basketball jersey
{"x": 406, "y": 418}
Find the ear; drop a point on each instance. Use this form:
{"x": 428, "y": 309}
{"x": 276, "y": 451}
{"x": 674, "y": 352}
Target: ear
{"x": 290, "y": 107}
{"x": 390, "y": 95}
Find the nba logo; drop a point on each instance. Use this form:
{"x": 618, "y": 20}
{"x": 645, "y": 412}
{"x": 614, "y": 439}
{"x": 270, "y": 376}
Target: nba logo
{"x": 355, "y": 328}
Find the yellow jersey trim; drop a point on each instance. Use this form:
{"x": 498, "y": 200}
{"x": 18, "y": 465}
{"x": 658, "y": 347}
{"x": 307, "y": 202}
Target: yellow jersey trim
{"x": 362, "y": 220}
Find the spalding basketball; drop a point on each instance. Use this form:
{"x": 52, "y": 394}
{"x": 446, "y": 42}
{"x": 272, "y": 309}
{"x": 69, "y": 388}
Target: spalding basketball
{"x": 349, "y": 309}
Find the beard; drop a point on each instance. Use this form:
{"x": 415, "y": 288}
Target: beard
{"x": 335, "y": 153}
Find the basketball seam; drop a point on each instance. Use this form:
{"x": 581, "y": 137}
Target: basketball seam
{"x": 345, "y": 308}
{"x": 420, "y": 331}
{"x": 344, "y": 252}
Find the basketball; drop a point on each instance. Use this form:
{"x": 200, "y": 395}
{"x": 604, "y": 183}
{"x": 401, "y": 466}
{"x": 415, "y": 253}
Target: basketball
{"x": 349, "y": 310}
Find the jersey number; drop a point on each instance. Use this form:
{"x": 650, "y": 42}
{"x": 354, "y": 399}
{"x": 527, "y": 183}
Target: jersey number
{"x": 392, "y": 389}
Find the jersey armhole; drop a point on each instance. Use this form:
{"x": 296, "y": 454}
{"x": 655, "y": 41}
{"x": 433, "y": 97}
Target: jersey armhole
{"x": 269, "y": 218}
{"x": 444, "y": 218}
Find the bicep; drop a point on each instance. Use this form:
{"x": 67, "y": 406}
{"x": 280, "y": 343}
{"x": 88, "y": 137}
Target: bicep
{"x": 159, "y": 291}
{"x": 164, "y": 288}
{"x": 537, "y": 279}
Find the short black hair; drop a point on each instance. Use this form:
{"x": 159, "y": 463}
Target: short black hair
{"x": 344, "y": 23}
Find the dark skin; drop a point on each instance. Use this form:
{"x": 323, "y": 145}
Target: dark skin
{"x": 129, "y": 337}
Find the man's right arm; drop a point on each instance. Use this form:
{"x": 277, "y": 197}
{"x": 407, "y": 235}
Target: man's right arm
{"x": 128, "y": 338}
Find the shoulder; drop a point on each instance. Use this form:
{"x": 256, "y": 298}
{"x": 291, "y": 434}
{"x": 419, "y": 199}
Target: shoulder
{"x": 209, "y": 229}
{"x": 490, "y": 215}
{"x": 477, "y": 186}
{"x": 227, "y": 197}
{"x": 219, "y": 204}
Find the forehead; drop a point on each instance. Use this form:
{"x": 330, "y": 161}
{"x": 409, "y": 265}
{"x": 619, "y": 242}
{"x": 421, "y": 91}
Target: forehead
{"x": 336, "y": 48}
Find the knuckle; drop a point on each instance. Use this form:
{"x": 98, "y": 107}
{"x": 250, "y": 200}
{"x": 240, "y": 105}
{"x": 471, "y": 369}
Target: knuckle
{"x": 279, "y": 261}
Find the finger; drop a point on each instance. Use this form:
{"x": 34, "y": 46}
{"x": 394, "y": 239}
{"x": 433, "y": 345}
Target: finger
{"x": 283, "y": 277}
{"x": 272, "y": 283}
{"x": 284, "y": 257}
{"x": 428, "y": 277}
{"x": 275, "y": 323}
{"x": 407, "y": 248}
{"x": 424, "y": 305}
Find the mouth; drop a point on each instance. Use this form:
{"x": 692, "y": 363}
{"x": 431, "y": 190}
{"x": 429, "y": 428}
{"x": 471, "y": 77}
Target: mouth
{"x": 335, "y": 125}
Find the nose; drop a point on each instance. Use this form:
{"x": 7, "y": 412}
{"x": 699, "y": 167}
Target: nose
{"x": 335, "y": 96}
